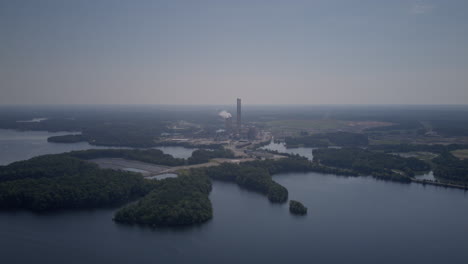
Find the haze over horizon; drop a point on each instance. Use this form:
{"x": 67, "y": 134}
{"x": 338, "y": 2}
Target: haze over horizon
{"x": 211, "y": 52}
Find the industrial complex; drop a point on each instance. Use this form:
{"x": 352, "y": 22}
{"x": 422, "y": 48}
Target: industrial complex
{"x": 239, "y": 137}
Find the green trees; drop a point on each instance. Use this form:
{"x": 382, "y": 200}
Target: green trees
{"x": 379, "y": 165}
{"x": 252, "y": 176}
{"x": 67, "y": 139}
{"x": 54, "y": 182}
{"x": 449, "y": 168}
{"x": 47, "y": 166}
{"x": 202, "y": 155}
{"x": 413, "y": 147}
{"x": 297, "y": 208}
{"x": 345, "y": 139}
{"x": 277, "y": 193}
{"x": 154, "y": 156}
{"x": 175, "y": 201}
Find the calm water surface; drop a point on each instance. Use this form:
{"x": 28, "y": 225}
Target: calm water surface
{"x": 350, "y": 220}
{"x": 18, "y": 145}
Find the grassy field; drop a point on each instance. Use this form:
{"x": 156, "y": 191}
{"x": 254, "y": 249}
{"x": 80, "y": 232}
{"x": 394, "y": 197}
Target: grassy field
{"x": 461, "y": 153}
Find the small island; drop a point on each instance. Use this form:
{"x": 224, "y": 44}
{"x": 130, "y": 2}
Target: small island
{"x": 297, "y": 208}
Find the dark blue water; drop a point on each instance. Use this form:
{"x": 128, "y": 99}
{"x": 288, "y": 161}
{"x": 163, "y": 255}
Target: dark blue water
{"x": 17, "y": 145}
{"x": 350, "y": 220}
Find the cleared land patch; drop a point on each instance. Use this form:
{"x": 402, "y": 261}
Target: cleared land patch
{"x": 461, "y": 153}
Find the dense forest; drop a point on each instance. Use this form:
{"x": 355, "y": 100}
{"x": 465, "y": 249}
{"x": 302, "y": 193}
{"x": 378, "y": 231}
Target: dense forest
{"x": 365, "y": 162}
{"x": 255, "y": 178}
{"x": 72, "y": 138}
{"x": 436, "y": 148}
{"x": 174, "y": 201}
{"x": 451, "y": 169}
{"x": 401, "y": 125}
{"x": 46, "y": 166}
{"x": 257, "y": 175}
{"x": 154, "y": 156}
{"x": 297, "y": 208}
{"x": 345, "y": 139}
{"x": 54, "y": 182}
{"x": 296, "y": 163}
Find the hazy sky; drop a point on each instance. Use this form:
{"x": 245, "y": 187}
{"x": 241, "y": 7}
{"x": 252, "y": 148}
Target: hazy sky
{"x": 211, "y": 52}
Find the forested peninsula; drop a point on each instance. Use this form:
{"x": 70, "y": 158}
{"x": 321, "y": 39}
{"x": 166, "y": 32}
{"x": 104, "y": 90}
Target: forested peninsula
{"x": 68, "y": 181}
{"x": 365, "y": 162}
{"x": 53, "y": 182}
{"x": 174, "y": 201}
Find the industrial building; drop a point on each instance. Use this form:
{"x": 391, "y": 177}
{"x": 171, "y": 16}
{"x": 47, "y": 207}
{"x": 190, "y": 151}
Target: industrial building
{"x": 239, "y": 116}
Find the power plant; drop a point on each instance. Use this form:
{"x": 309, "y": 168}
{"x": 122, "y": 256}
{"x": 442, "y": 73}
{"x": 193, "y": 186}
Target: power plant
{"x": 228, "y": 123}
{"x": 236, "y": 131}
{"x": 239, "y": 116}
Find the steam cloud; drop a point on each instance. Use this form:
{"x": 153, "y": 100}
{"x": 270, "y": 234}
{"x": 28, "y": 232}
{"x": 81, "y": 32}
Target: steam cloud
{"x": 224, "y": 114}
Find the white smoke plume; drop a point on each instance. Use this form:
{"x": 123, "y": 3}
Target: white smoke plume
{"x": 224, "y": 114}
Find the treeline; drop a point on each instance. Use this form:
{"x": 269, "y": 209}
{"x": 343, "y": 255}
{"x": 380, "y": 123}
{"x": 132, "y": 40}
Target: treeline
{"x": 345, "y": 139}
{"x": 67, "y": 139}
{"x": 61, "y": 182}
{"x": 123, "y": 134}
{"x": 141, "y": 142}
{"x": 437, "y": 148}
{"x": 257, "y": 175}
{"x": 297, "y": 163}
{"x": 46, "y": 166}
{"x": 296, "y": 207}
{"x": 106, "y": 130}
{"x": 249, "y": 176}
{"x": 154, "y": 156}
{"x": 401, "y": 125}
{"x": 202, "y": 155}
{"x": 451, "y": 127}
{"x": 451, "y": 169}
{"x": 174, "y": 201}
{"x": 184, "y": 200}
{"x": 379, "y": 165}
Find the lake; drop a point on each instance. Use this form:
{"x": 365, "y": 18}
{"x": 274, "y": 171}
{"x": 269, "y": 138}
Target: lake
{"x": 350, "y": 220}
{"x": 19, "y": 145}
{"x": 22, "y": 145}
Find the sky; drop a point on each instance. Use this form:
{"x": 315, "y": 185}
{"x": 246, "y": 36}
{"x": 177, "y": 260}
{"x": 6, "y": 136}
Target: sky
{"x": 211, "y": 52}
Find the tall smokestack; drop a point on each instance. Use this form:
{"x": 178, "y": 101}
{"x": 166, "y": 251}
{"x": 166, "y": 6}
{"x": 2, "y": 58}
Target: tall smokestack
{"x": 239, "y": 115}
